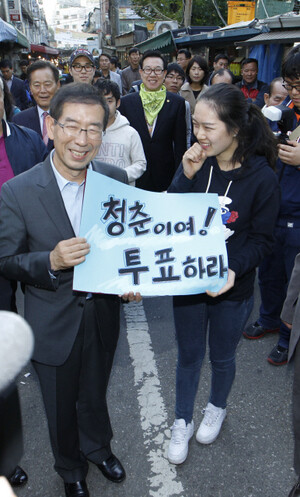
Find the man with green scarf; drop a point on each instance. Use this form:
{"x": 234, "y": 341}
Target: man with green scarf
{"x": 159, "y": 118}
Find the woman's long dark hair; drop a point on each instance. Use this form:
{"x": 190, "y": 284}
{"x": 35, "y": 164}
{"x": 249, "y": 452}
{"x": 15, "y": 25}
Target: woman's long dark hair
{"x": 254, "y": 135}
{"x": 201, "y": 63}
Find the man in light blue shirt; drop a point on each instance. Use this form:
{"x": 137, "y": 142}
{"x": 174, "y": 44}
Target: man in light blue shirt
{"x": 75, "y": 333}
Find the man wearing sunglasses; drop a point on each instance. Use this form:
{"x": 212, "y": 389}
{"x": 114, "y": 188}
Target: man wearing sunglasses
{"x": 82, "y": 66}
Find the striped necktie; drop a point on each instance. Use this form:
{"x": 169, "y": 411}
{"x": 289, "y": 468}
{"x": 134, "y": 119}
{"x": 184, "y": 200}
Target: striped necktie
{"x": 45, "y": 133}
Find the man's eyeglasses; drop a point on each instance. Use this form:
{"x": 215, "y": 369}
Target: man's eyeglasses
{"x": 289, "y": 87}
{"x": 174, "y": 77}
{"x": 73, "y": 130}
{"x": 79, "y": 67}
{"x": 157, "y": 70}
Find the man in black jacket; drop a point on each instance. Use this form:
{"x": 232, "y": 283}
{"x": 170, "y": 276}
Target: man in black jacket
{"x": 15, "y": 85}
{"x": 159, "y": 118}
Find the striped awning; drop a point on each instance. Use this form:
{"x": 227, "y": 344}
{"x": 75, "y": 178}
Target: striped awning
{"x": 163, "y": 42}
{"x": 8, "y": 33}
{"x": 44, "y": 49}
{"x": 283, "y": 36}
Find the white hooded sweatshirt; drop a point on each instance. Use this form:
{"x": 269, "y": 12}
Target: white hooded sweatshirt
{"x": 122, "y": 147}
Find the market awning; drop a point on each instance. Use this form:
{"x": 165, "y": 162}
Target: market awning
{"x": 7, "y": 32}
{"x": 164, "y": 43}
{"x": 44, "y": 49}
{"x": 219, "y": 37}
{"x": 279, "y": 36}
{"x": 21, "y": 39}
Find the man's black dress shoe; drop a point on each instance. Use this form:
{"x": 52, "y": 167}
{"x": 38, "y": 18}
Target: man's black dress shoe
{"x": 18, "y": 478}
{"x": 112, "y": 469}
{"x": 295, "y": 492}
{"x": 77, "y": 489}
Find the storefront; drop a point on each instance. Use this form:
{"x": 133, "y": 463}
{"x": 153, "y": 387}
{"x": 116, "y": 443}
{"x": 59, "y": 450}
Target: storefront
{"x": 43, "y": 52}
{"x": 12, "y": 43}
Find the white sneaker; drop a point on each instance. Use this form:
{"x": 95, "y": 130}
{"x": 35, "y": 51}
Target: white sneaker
{"x": 179, "y": 443}
{"x": 211, "y": 424}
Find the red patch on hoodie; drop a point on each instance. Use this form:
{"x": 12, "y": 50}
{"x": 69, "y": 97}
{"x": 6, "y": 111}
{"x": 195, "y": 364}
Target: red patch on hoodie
{"x": 233, "y": 217}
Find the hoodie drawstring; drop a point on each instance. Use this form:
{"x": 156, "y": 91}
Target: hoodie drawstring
{"x": 209, "y": 182}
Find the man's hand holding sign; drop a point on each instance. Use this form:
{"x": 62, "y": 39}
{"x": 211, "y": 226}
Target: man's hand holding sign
{"x": 71, "y": 252}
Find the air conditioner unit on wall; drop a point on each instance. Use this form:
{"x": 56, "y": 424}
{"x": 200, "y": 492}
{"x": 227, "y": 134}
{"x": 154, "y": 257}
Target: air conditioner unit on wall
{"x": 162, "y": 26}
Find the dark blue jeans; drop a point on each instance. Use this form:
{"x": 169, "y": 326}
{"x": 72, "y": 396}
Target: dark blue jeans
{"x": 226, "y": 321}
{"x": 274, "y": 274}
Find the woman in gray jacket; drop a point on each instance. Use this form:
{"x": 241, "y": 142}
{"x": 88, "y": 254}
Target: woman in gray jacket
{"x": 197, "y": 76}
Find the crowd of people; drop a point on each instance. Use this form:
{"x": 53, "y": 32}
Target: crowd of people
{"x": 175, "y": 127}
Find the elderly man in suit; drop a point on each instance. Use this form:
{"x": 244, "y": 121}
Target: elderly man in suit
{"x": 75, "y": 334}
{"x": 290, "y": 315}
{"x": 43, "y": 80}
{"x": 159, "y": 118}
{"x": 14, "y": 139}
{"x": 15, "y": 85}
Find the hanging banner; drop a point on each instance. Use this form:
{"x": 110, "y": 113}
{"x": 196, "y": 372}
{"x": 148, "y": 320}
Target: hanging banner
{"x": 152, "y": 243}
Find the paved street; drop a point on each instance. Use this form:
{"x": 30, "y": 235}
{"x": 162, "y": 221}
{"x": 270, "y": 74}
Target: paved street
{"x": 251, "y": 458}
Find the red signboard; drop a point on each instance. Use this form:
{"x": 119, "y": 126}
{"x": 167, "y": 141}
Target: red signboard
{"x": 14, "y": 11}
{"x": 15, "y": 17}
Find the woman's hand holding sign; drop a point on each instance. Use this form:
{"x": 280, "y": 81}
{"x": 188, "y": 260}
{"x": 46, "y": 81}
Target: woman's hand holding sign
{"x": 229, "y": 284}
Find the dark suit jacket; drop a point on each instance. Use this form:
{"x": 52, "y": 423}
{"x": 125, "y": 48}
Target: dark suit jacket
{"x": 164, "y": 150}
{"x": 11, "y": 439}
{"x": 291, "y": 308}
{"x": 33, "y": 220}
{"x": 18, "y": 91}
{"x": 23, "y": 146}
{"x": 30, "y": 119}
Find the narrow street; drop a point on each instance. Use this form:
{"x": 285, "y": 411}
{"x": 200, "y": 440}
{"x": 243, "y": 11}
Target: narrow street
{"x": 253, "y": 456}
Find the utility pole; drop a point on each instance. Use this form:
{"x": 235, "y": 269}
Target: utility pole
{"x": 188, "y": 5}
{"x": 114, "y": 20}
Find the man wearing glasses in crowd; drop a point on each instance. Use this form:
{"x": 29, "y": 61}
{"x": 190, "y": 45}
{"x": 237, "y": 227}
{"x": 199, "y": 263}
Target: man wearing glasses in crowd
{"x": 75, "y": 333}
{"x": 82, "y": 66}
{"x": 174, "y": 80}
{"x": 159, "y": 118}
